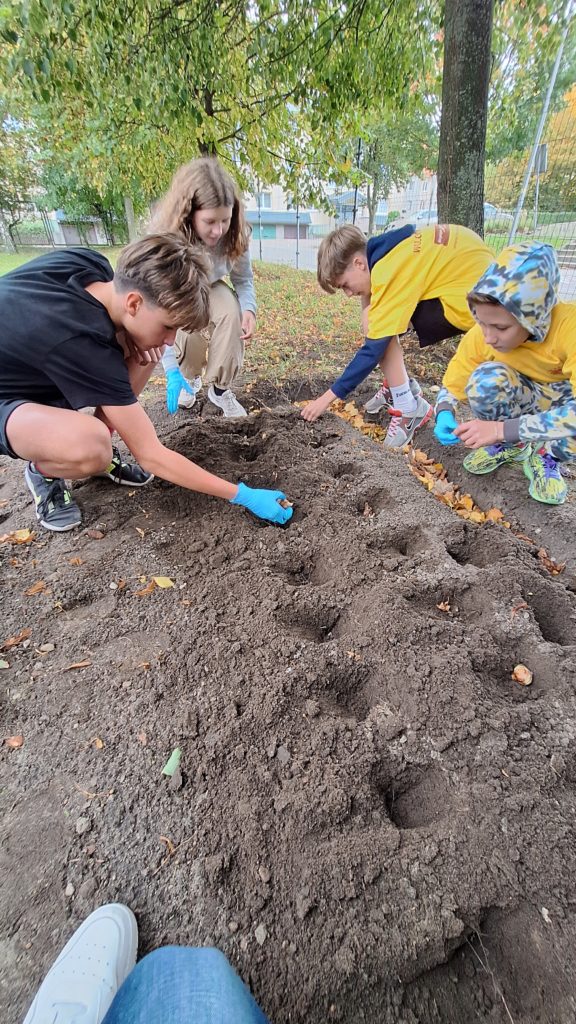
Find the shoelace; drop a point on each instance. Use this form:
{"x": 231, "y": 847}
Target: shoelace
{"x": 395, "y": 422}
{"x": 57, "y": 494}
{"x": 550, "y": 465}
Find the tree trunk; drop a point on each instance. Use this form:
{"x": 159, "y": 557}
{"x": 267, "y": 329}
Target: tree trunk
{"x": 467, "y": 42}
{"x": 5, "y": 236}
{"x": 130, "y": 219}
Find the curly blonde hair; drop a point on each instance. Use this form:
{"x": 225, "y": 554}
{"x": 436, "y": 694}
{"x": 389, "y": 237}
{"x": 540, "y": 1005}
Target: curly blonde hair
{"x": 203, "y": 184}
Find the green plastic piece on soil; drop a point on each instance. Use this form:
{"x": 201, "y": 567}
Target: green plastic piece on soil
{"x": 172, "y": 763}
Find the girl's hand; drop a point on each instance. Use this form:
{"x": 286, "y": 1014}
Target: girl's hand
{"x": 248, "y": 325}
{"x": 480, "y": 433}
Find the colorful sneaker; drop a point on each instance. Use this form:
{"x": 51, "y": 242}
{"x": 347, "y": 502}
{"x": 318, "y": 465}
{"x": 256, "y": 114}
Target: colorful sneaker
{"x": 546, "y": 482}
{"x": 486, "y": 460}
{"x": 227, "y": 402}
{"x": 55, "y": 507}
{"x": 185, "y": 399}
{"x": 130, "y": 474}
{"x": 402, "y": 428}
{"x": 383, "y": 397}
{"x": 94, "y": 963}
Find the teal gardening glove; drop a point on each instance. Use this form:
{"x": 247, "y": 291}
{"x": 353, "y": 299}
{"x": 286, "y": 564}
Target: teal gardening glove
{"x": 175, "y": 383}
{"x": 263, "y": 503}
{"x": 445, "y": 426}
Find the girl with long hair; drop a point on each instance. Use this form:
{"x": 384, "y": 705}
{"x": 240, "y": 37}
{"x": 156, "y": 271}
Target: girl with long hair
{"x": 204, "y": 205}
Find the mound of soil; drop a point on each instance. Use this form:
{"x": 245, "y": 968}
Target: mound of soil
{"x": 373, "y": 821}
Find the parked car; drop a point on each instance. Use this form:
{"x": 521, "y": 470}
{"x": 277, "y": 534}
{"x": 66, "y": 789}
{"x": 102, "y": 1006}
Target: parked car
{"x": 492, "y": 215}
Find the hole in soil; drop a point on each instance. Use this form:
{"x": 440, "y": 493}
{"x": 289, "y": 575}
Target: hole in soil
{"x": 418, "y": 798}
{"x": 405, "y": 541}
{"x": 493, "y": 670}
{"x": 372, "y": 500}
{"x": 311, "y": 624}
{"x": 345, "y": 469}
{"x": 296, "y": 573}
{"x": 247, "y": 451}
{"x": 555, "y": 613}
{"x": 459, "y": 549}
{"x": 4, "y": 516}
{"x": 342, "y": 692}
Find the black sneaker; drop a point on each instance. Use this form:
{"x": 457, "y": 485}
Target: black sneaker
{"x": 128, "y": 473}
{"x": 55, "y": 507}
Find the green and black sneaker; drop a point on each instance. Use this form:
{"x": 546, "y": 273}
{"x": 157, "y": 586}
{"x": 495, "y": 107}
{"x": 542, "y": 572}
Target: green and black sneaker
{"x": 130, "y": 474}
{"x": 55, "y": 507}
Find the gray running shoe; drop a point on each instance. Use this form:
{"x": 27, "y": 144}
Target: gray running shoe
{"x": 55, "y": 507}
{"x": 402, "y": 428}
{"x": 383, "y": 397}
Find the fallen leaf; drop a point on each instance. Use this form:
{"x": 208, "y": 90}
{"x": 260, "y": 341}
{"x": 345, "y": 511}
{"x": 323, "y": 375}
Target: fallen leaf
{"x": 143, "y": 738}
{"x": 549, "y": 563}
{"x": 494, "y": 515}
{"x": 94, "y": 534}
{"x": 140, "y": 531}
{"x": 146, "y": 590}
{"x": 517, "y": 607}
{"x": 12, "y": 641}
{"x": 169, "y": 845}
{"x": 173, "y": 762}
{"x": 444, "y": 606}
{"x": 14, "y": 742}
{"x": 36, "y": 588}
{"x": 98, "y": 743}
{"x": 78, "y": 664}
{"x": 18, "y": 537}
{"x": 522, "y": 675}
{"x": 144, "y": 664}
{"x": 163, "y": 582}
{"x": 75, "y": 561}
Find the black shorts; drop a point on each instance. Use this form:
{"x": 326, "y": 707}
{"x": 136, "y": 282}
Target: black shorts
{"x": 7, "y": 406}
{"x": 430, "y": 324}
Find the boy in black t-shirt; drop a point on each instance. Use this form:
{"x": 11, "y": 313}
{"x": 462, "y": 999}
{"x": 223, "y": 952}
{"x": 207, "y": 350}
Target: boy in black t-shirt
{"x": 73, "y": 334}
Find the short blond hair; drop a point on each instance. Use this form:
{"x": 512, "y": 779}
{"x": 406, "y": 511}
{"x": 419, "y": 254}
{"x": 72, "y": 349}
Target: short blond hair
{"x": 170, "y": 273}
{"x": 336, "y": 251}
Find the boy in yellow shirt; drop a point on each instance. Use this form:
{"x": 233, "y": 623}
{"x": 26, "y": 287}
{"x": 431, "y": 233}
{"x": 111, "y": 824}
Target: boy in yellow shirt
{"x": 517, "y": 369}
{"x": 402, "y": 277}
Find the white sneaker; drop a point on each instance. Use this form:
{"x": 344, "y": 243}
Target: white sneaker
{"x": 185, "y": 399}
{"x": 402, "y": 428}
{"x": 383, "y": 397}
{"x": 83, "y": 981}
{"x": 227, "y": 402}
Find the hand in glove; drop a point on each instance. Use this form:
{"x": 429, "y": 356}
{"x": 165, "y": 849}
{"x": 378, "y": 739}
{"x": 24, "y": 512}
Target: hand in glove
{"x": 445, "y": 426}
{"x": 175, "y": 383}
{"x": 263, "y": 503}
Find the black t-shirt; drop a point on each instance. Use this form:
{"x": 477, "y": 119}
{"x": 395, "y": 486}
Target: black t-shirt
{"x": 57, "y": 342}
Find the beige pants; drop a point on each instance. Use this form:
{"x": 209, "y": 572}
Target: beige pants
{"x": 217, "y": 352}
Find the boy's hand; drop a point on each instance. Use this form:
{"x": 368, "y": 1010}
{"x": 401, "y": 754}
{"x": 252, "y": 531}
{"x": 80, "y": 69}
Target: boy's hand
{"x": 263, "y": 503}
{"x": 313, "y": 410}
{"x": 248, "y": 325}
{"x": 175, "y": 383}
{"x": 480, "y": 433}
{"x": 445, "y": 426}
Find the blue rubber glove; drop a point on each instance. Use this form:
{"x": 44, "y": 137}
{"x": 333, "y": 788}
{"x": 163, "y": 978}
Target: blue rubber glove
{"x": 175, "y": 383}
{"x": 445, "y": 424}
{"x": 263, "y": 504}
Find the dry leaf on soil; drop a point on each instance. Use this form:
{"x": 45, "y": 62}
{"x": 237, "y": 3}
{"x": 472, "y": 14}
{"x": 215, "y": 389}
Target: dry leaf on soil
{"x": 98, "y": 743}
{"x": 146, "y": 590}
{"x": 36, "y": 588}
{"x": 18, "y": 537}
{"x": 75, "y": 561}
{"x": 164, "y": 582}
{"x": 12, "y": 641}
{"x": 78, "y": 664}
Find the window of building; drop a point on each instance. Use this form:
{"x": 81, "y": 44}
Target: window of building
{"x": 264, "y": 200}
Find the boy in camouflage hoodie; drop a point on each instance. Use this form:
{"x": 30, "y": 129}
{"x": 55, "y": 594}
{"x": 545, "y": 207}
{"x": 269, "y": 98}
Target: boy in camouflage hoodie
{"x": 517, "y": 370}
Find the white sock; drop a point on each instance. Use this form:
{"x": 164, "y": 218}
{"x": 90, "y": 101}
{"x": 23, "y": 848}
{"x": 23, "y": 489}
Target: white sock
{"x": 403, "y": 399}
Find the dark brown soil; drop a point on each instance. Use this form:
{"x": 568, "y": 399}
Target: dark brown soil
{"x": 376, "y": 824}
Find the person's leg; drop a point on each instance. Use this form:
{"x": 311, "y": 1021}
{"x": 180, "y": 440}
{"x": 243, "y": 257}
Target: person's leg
{"x": 184, "y": 986}
{"x": 225, "y": 356}
{"x": 497, "y": 392}
{"x": 543, "y": 467}
{"x": 41, "y": 435}
{"x": 409, "y": 411}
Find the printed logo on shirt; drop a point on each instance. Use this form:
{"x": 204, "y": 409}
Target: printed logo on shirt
{"x": 417, "y": 241}
{"x": 441, "y": 234}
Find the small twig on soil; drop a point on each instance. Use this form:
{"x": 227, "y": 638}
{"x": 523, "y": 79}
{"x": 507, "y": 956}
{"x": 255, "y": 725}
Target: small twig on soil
{"x": 170, "y": 855}
{"x": 93, "y": 796}
{"x": 488, "y": 969}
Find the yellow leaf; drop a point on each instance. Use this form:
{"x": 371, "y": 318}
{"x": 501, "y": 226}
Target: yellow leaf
{"x": 36, "y": 588}
{"x": 163, "y": 582}
{"x": 18, "y": 537}
{"x": 98, "y": 743}
{"x": 494, "y": 515}
{"x": 466, "y": 502}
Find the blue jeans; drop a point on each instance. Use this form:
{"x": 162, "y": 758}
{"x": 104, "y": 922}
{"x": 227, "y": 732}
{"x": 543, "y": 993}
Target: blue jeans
{"x": 177, "y": 985}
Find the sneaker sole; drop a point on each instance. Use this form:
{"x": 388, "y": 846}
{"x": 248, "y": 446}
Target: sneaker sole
{"x": 47, "y": 526}
{"x": 537, "y": 497}
{"x": 124, "y": 483}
